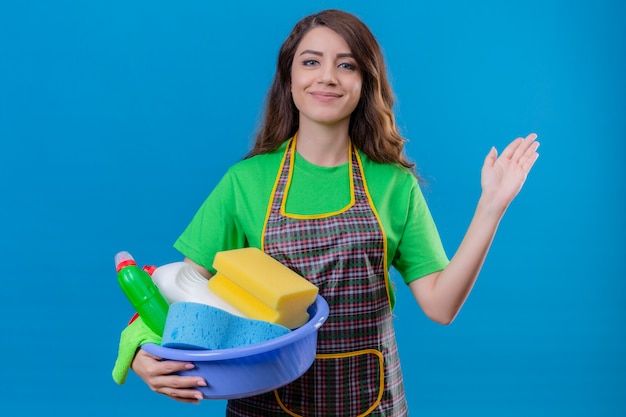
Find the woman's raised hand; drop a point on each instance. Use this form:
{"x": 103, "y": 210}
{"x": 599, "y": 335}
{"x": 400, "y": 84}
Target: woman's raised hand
{"x": 503, "y": 176}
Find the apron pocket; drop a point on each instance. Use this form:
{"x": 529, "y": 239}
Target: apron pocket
{"x": 343, "y": 384}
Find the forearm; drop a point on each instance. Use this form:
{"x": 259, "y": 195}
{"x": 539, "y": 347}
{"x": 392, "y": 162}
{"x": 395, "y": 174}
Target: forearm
{"x": 202, "y": 270}
{"x": 442, "y": 295}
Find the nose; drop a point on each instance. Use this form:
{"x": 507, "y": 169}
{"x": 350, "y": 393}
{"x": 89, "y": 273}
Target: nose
{"x": 328, "y": 74}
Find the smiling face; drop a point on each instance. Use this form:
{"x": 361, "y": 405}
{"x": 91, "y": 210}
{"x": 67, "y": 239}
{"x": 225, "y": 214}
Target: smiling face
{"x": 325, "y": 80}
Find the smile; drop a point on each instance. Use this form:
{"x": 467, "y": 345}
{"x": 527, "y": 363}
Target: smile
{"x": 322, "y": 96}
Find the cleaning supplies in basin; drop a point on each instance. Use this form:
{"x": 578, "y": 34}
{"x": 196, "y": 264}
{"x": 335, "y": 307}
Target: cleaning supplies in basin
{"x": 142, "y": 292}
{"x": 199, "y": 326}
{"x": 179, "y": 281}
{"x": 261, "y": 287}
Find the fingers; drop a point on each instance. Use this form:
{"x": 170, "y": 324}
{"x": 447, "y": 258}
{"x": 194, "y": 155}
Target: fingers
{"x": 529, "y": 158}
{"x": 163, "y": 374}
{"x": 491, "y": 157}
{"x": 170, "y": 367}
{"x": 531, "y": 137}
{"x": 161, "y": 377}
{"x": 179, "y": 388}
{"x": 510, "y": 150}
{"x": 525, "y": 148}
{"x": 520, "y": 147}
{"x": 526, "y": 155}
{"x": 148, "y": 365}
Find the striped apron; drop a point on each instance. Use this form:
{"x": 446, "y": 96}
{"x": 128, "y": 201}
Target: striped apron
{"x": 357, "y": 370}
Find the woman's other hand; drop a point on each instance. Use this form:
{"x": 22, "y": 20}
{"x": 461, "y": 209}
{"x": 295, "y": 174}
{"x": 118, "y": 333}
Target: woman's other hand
{"x": 503, "y": 176}
{"x": 159, "y": 376}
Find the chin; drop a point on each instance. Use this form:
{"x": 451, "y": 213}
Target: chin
{"x": 327, "y": 119}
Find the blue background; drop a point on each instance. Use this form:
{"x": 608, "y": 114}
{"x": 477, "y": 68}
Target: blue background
{"x": 118, "y": 117}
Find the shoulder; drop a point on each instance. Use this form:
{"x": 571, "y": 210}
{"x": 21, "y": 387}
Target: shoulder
{"x": 257, "y": 168}
{"x": 387, "y": 176}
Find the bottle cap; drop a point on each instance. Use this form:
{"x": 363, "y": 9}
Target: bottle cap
{"x": 123, "y": 259}
{"x": 149, "y": 269}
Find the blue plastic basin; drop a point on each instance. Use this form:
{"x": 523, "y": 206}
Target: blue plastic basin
{"x": 255, "y": 369}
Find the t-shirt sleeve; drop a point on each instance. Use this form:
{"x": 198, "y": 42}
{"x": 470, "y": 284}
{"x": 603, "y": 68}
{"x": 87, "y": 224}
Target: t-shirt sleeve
{"x": 214, "y": 227}
{"x": 420, "y": 250}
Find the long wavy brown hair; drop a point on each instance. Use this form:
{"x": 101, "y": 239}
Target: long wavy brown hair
{"x": 372, "y": 124}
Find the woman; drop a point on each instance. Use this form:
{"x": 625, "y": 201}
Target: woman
{"x": 327, "y": 191}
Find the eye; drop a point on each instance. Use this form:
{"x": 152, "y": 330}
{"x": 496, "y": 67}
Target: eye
{"x": 348, "y": 66}
{"x": 309, "y": 62}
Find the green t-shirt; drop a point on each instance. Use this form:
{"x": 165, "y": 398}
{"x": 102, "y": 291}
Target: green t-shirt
{"x": 233, "y": 214}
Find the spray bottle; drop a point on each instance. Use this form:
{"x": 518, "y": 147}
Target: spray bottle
{"x": 142, "y": 292}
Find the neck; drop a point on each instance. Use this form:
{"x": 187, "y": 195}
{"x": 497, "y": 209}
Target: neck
{"x": 323, "y": 145}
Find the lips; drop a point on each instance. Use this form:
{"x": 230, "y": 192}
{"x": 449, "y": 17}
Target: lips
{"x": 325, "y": 96}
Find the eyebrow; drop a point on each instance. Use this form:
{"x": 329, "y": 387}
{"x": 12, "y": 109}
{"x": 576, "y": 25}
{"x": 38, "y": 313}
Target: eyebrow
{"x": 318, "y": 53}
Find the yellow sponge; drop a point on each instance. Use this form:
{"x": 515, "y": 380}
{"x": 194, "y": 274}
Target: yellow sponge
{"x": 261, "y": 287}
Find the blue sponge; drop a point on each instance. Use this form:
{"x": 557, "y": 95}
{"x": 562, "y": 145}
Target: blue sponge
{"x": 199, "y": 326}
